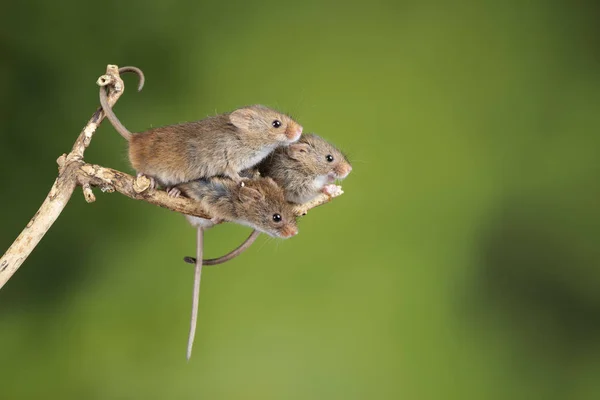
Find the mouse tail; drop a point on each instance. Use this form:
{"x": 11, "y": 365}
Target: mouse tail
{"x": 231, "y": 255}
{"x": 108, "y": 111}
{"x": 196, "y": 292}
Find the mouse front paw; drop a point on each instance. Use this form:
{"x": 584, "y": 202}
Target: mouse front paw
{"x": 235, "y": 176}
{"x": 332, "y": 190}
{"x": 216, "y": 220}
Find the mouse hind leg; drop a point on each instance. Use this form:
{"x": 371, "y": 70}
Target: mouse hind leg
{"x": 173, "y": 191}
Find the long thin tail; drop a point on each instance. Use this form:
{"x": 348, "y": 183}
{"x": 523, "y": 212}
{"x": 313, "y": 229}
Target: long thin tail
{"x": 232, "y": 254}
{"x": 196, "y": 292}
{"x": 107, "y": 108}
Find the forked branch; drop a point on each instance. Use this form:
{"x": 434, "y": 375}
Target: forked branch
{"x": 73, "y": 172}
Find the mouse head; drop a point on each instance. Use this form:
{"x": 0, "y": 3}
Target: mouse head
{"x": 266, "y": 124}
{"x": 315, "y": 156}
{"x": 264, "y": 208}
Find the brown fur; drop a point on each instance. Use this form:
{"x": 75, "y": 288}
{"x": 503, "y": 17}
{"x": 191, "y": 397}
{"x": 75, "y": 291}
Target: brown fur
{"x": 223, "y": 145}
{"x": 252, "y": 204}
{"x": 302, "y": 169}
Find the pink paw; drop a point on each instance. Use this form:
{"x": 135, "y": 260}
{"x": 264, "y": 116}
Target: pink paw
{"x": 173, "y": 192}
{"x": 332, "y": 190}
{"x": 216, "y": 220}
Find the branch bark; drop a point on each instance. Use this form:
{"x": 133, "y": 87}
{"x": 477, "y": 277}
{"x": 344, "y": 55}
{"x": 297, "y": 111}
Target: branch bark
{"x": 61, "y": 191}
{"x": 303, "y": 209}
{"x": 73, "y": 172}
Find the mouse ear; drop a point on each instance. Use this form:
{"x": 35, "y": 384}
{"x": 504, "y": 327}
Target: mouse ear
{"x": 249, "y": 194}
{"x": 295, "y": 150}
{"x": 270, "y": 181}
{"x": 241, "y": 118}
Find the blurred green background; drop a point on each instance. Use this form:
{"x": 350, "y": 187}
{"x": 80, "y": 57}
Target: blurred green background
{"x": 462, "y": 262}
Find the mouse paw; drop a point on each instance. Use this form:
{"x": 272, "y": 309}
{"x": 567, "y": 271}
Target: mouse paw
{"x": 235, "y": 176}
{"x": 173, "y": 191}
{"x": 216, "y": 220}
{"x": 332, "y": 190}
{"x": 242, "y": 181}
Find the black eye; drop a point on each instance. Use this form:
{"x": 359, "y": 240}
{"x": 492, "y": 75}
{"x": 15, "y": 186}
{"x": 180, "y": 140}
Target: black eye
{"x": 276, "y": 217}
{"x": 276, "y": 123}
{"x": 329, "y": 158}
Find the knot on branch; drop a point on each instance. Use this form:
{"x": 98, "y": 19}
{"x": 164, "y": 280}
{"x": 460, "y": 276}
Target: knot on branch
{"x": 111, "y": 78}
{"x": 74, "y": 171}
{"x": 88, "y": 194}
{"x": 142, "y": 183}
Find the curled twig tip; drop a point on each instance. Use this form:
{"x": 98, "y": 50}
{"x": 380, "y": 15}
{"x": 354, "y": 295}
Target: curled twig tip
{"x": 104, "y": 80}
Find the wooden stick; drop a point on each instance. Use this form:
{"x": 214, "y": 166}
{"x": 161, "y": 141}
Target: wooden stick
{"x": 61, "y": 191}
{"x": 73, "y": 171}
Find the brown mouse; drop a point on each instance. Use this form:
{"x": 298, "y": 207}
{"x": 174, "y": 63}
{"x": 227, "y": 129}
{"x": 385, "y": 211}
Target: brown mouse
{"x": 306, "y": 168}
{"x": 259, "y": 203}
{"x": 223, "y": 144}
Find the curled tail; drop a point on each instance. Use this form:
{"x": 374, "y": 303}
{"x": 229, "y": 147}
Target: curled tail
{"x": 232, "y": 254}
{"x": 107, "y": 108}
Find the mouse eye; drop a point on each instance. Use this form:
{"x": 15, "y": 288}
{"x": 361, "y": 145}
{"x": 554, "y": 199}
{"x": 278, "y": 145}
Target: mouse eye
{"x": 329, "y": 158}
{"x": 276, "y": 123}
{"x": 276, "y": 217}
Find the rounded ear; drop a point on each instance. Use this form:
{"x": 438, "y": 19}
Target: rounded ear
{"x": 248, "y": 194}
{"x": 295, "y": 150}
{"x": 242, "y": 118}
{"x": 270, "y": 181}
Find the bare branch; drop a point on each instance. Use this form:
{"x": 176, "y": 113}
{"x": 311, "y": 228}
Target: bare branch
{"x": 60, "y": 193}
{"x": 113, "y": 80}
{"x": 73, "y": 171}
{"x": 110, "y": 180}
{"x": 57, "y": 199}
{"x": 323, "y": 198}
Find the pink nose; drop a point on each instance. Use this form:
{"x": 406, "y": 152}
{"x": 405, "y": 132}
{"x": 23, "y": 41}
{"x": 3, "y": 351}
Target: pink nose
{"x": 345, "y": 172}
{"x": 294, "y": 131}
{"x": 290, "y": 231}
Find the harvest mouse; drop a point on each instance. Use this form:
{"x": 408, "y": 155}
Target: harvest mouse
{"x": 303, "y": 169}
{"x": 258, "y": 203}
{"x": 223, "y": 144}
{"x": 306, "y": 168}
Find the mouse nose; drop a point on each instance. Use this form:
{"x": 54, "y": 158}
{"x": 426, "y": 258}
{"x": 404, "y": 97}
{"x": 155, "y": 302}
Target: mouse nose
{"x": 344, "y": 171}
{"x": 289, "y": 231}
{"x": 293, "y": 132}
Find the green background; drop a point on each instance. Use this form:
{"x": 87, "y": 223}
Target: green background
{"x": 463, "y": 261}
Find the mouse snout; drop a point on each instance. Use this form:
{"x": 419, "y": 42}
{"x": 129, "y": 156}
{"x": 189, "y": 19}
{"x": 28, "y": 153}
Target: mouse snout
{"x": 293, "y": 131}
{"x": 343, "y": 170}
{"x": 289, "y": 231}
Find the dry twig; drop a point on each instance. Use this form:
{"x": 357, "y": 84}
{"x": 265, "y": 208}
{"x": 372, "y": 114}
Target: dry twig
{"x": 73, "y": 172}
